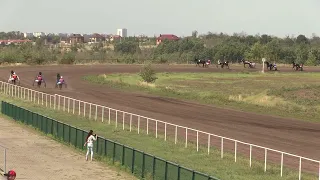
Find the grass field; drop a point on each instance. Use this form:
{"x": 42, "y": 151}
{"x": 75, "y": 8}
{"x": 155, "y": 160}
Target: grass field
{"x": 284, "y": 94}
{"x": 211, "y": 164}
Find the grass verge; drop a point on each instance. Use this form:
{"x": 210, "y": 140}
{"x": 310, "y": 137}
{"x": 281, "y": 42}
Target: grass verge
{"x": 211, "y": 164}
{"x": 285, "y": 95}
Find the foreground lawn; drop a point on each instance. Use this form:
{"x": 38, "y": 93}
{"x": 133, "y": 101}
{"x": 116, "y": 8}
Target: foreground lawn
{"x": 295, "y": 95}
{"x": 225, "y": 169}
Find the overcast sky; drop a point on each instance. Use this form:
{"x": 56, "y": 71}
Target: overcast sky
{"x": 149, "y": 17}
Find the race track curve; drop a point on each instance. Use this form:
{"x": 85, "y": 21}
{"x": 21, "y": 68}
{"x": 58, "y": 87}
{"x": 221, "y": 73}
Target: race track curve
{"x": 289, "y": 135}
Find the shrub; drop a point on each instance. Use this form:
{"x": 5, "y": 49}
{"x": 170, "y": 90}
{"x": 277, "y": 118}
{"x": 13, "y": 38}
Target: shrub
{"x": 68, "y": 58}
{"x": 148, "y": 74}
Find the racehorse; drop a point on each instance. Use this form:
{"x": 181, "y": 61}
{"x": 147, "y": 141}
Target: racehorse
{"x": 251, "y": 64}
{"x": 297, "y": 66}
{"x": 14, "y": 81}
{"x": 39, "y": 82}
{"x": 200, "y": 61}
{"x": 222, "y": 64}
{"x": 271, "y": 66}
{"x": 59, "y": 84}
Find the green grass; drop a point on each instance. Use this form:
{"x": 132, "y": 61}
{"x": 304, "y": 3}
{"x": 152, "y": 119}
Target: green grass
{"x": 295, "y": 95}
{"x": 212, "y": 164}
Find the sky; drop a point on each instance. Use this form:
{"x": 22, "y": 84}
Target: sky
{"x": 154, "y": 17}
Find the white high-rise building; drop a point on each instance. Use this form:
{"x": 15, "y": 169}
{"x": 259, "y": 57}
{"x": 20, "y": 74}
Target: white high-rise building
{"x": 122, "y": 32}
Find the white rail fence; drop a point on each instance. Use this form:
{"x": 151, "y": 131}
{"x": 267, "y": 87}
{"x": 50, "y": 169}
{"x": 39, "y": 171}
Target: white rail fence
{"x": 162, "y": 129}
{"x": 3, "y": 159}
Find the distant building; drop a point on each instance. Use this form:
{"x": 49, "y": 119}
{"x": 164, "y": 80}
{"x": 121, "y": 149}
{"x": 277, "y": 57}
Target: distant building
{"x": 115, "y": 38}
{"x": 97, "y": 38}
{"x": 169, "y": 37}
{"x": 28, "y": 35}
{"x": 122, "y": 32}
{"x": 76, "y": 38}
{"x": 16, "y": 41}
{"x": 39, "y": 34}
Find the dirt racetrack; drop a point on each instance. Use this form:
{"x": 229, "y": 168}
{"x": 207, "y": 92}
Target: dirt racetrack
{"x": 289, "y": 135}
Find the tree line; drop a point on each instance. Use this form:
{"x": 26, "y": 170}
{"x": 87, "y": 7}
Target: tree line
{"x": 211, "y": 46}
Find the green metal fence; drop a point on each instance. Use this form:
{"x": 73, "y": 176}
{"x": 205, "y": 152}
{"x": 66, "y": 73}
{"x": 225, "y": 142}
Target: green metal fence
{"x": 141, "y": 164}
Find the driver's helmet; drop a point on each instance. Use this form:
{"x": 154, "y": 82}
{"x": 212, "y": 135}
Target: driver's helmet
{"x": 61, "y": 77}
{"x": 40, "y": 73}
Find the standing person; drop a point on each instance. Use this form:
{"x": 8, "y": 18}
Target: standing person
{"x": 89, "y": 142}
{"x": 11, "y": 175}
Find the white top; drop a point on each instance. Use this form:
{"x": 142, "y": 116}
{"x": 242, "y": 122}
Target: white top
{"x": 90, "y": 140}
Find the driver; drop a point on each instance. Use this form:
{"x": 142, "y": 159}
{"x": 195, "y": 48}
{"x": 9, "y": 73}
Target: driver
{"x": 39, "y": 77}
{"x": 61, "y": 80}
{"x": 13, "y": 76}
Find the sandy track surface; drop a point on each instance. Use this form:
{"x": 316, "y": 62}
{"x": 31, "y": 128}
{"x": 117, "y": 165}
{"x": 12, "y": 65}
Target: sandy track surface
{"x": 34, "y": 156}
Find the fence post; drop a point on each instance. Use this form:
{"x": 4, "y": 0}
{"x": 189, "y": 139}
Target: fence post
{"x": 166, "y": 171}
{"x": 73, "y": 105}
{"x": 76, "y": 141}
{"x": 114, "y": 152}
{"x": 54, "y": 101}
{"x": 70, "y": 134}
{"x": 133, "y": 154}
{"x": 116, "y": 118}
{"x": 165, "y": 131}
{"x": 209, "y": 143}
{"x": 221, "y": 147}
{"x": 176, "y": 135}
{"x": 90, "y": 110}
{"x": 68, "y": 105}
{"x": 193, "y": 175}
{"x": 282, "y": 165}
{"x": 143, "y": 165}
{"x": 197, "y": 140}
{"x": 154, "y": 167}
{"x": 186, "y": 137}
{"x": 138, "y": 124}
{"x": 96, "y": 115}
{"x": 300, "y": 168}
{"x": 265, "y": 160}
{"x": 102, "y": 113}
{"x": 84, "y": 109}
{"x": 250, "y": 155}
{"x": 105, "y": 147}
{"x": 235, "y": 151}
{"x": 109, "y": 115}
{"x": 79, "y": 107}
{"x": 130, "y": 121}
{"x": 147, "y": 125}
{"x": 123, "y": 116}
{"x": 5, "y": 160}
{"x": 179, "y": 172}
{"x": 156, "y": 129}
{"x": 123, "y": 155}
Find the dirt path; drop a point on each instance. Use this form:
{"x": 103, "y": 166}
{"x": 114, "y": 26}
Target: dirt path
{"x": 37, "y": 157}
{"x": 285, "y": 134}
